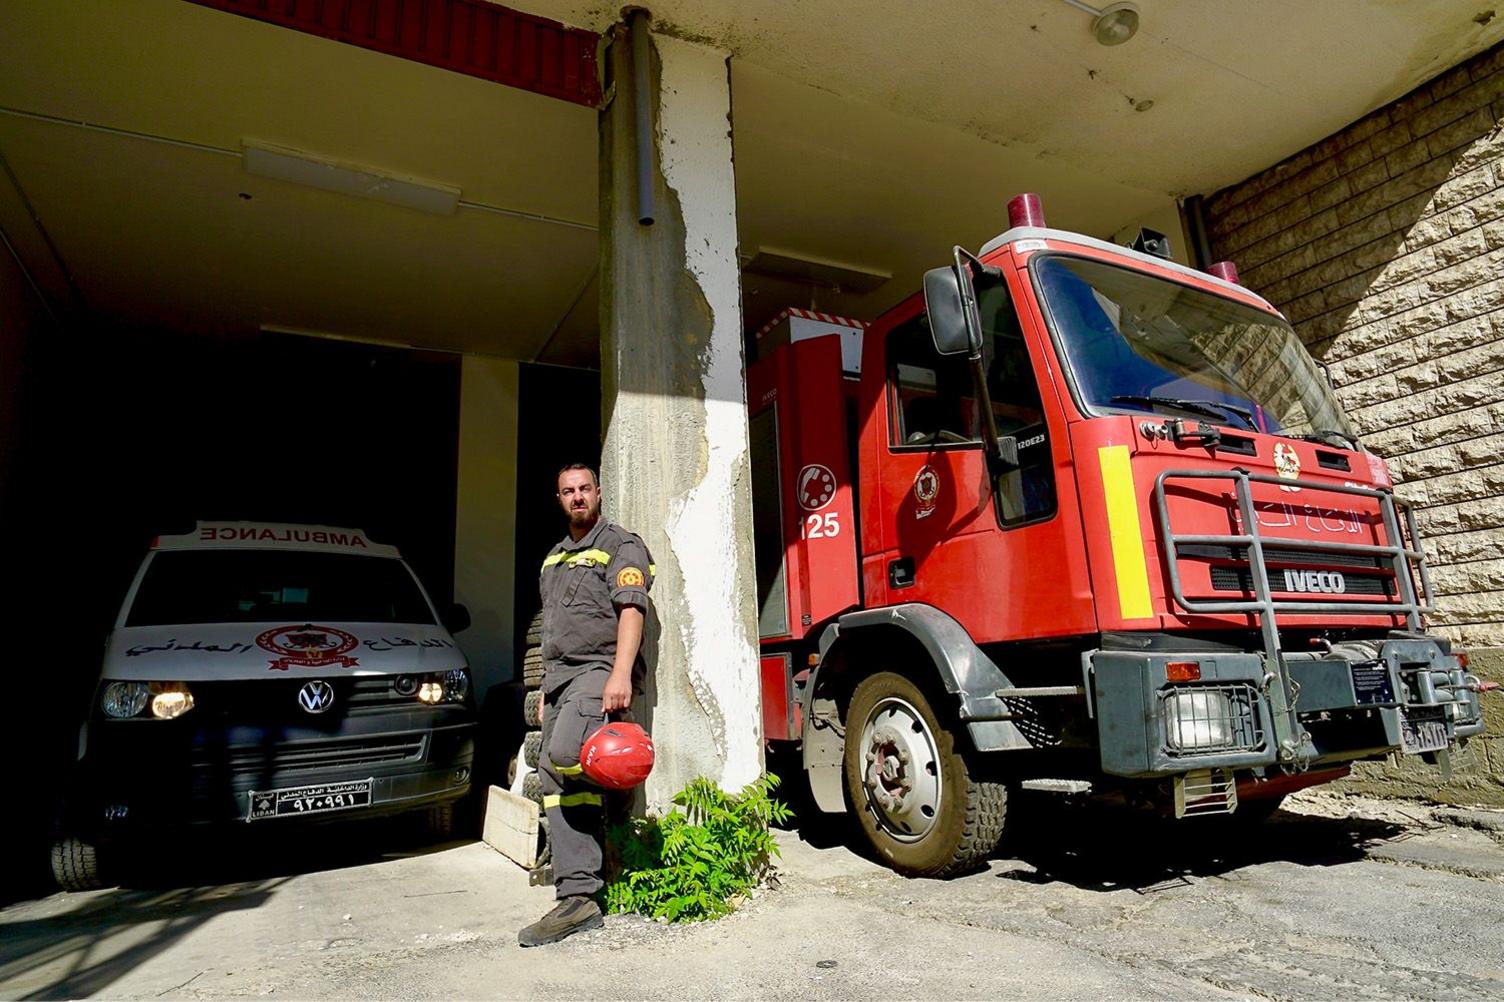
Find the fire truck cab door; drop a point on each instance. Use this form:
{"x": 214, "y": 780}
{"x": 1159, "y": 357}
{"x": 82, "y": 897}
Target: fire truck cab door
{"x": 988, "y": 551}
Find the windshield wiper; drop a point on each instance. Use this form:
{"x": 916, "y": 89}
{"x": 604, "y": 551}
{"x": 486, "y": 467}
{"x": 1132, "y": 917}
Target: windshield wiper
{"x": 1329, "y": 436}
{"x": 1214, "y": 409}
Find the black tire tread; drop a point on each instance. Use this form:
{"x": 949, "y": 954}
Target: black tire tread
{"x": 535, "y": 629}
{"x": 75, "y": 865}
{"x": 532, "y": 748}
{"x": 530, "y": 709}
{"x": 532, "y": 788}
{"x": 532, "y": 667}
{"x": 986, "y": 819}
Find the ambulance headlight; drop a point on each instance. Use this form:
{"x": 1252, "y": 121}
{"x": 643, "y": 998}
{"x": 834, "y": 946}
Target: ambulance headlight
{"x": 170, "y": 700}
{"x": 124, "y": 699}
{"x": 450, "y": 686}
{"x": 1199, "y": 720}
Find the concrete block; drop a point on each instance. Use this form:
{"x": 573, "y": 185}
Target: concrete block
{"x": 1465, "y": 546}
{"x": 1487, "y": 64}
{"x": 1479, "y": 575}
{"x": 1390, "y": 139}
{"x": 1449, "y": 82}
{"x": 1463, "y": 335}
{"x": 511, "y": 826}
{"x": 1452, "y": 189}
{"x": 1353, "y": 157}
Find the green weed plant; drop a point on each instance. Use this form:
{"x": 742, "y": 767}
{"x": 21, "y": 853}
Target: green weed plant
{"x": 696, "y": 862}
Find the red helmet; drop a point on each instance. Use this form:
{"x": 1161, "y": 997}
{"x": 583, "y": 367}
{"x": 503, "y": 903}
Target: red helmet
{"x": 619, "y": 756}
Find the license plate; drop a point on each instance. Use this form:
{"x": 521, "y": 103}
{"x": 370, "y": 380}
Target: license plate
{"x": 1424, "y": 734}
{"x": 297, "y": 801}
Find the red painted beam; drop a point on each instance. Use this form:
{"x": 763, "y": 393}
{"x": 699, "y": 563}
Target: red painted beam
{"x": 474, "y": 37}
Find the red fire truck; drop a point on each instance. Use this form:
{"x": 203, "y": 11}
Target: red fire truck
{"x": 1087, "y": 521}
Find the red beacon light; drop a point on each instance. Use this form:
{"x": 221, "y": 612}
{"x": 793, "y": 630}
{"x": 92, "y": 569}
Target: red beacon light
{"x": 1025, "y": 210}
{"x": 1225, "y": 270}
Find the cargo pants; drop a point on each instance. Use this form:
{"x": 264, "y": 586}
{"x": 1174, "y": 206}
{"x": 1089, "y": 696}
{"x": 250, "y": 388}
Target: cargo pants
{"x": 573, "y": 805}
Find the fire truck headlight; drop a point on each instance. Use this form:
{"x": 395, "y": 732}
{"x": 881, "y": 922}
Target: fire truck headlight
{"x": 1199, "y": 720}
{"x": 431, "y": 692}
{"x": 123, "y": 699}
{"x": 456, "y": 685}
{"x": 170, "y": 700}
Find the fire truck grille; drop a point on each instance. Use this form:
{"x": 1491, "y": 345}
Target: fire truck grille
{"x": 1236, "y": 579}
{"x": 1206, "y": 719}
{"x": 1361, "y": 574}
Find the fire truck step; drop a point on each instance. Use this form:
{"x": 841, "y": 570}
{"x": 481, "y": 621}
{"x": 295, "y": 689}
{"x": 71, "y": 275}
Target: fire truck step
{"x": 1205, "y": 791}
{"x": 1041, "y": 690}
{"x": 1056, "y": 785}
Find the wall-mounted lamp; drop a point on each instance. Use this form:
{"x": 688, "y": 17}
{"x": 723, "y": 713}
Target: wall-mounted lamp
{"x": 1113, "y": 24}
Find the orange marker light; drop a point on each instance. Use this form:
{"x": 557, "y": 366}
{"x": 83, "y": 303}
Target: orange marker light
{"x": 1183, "y": 671}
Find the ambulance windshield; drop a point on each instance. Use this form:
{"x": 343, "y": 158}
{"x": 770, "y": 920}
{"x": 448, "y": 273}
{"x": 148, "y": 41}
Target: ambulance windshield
{"x": 1139, "y": 343}
{"x": 265, "y": 586}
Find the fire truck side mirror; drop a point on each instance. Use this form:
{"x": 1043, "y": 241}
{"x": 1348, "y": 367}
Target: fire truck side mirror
{"x": 946, "y": 305}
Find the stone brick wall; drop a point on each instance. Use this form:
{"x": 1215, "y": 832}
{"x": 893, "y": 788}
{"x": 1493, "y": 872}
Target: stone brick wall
{"x": 1384, "y": 245}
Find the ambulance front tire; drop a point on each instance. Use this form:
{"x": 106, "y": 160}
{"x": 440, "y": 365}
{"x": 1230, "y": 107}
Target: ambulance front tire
{"x": 75, "y": 864}
{"x": 918, "y": 801}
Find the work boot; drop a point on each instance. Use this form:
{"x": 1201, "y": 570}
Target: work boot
{"x": 573, "y": 914}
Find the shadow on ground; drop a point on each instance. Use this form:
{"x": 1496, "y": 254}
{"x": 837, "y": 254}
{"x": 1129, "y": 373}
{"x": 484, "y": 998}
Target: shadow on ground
{"x": 1105, "y": 846}
{"x": 167, "y": 892}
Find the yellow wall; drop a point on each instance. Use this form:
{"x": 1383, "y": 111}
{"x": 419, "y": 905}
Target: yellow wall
{"x": 485, "y": 519}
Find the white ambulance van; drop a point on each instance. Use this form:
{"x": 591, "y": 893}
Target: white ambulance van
{"x": 264, "y": 674}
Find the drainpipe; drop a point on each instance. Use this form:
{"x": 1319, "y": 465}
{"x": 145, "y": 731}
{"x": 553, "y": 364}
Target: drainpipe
{"x": 1195, "y": 222}
{"x": 637, "y": 27}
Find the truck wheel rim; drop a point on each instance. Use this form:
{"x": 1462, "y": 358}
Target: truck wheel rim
{"x": 900, "y": 770}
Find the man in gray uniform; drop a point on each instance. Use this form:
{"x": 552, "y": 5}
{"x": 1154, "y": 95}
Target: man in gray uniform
{"x": 594, "y": 585}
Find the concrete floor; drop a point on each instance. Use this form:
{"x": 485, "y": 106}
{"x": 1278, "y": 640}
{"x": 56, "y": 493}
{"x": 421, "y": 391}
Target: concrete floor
{"x": 1341, "y": 897}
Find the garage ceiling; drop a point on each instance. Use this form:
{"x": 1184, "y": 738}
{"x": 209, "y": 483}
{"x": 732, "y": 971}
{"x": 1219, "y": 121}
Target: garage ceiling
{"x": 873, "y": 140}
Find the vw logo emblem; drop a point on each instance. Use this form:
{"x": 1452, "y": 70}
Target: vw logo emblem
{"x": 316, "y": 696}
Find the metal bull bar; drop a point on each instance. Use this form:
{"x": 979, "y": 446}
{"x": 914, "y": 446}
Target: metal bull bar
{"x": 1292, "y": 741}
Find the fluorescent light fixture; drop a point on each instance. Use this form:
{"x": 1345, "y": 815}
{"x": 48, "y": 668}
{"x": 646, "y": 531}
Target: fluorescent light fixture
{"x": 331, "y": 336}
{"x": 361, "y": 181}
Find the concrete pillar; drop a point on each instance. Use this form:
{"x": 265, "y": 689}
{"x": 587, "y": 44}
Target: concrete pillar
{"x": 675, "y": 467}
{"x": 485, "y": 519}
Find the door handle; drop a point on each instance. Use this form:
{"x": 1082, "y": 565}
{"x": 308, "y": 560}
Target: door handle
{"x": 901, "y": 572}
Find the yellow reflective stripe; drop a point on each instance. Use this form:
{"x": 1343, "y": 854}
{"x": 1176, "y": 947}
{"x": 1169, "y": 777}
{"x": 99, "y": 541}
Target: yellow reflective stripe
{"x": 1127, "y": 536}
{"x": 571, "y": 559}
{"x": 571, "y": 800}
{"x": 569, "y": 770}
{"x": 653, "y": 570}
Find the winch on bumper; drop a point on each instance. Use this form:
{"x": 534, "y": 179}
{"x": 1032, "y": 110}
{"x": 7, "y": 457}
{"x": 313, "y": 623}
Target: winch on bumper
{"x": 1161, "y": 714}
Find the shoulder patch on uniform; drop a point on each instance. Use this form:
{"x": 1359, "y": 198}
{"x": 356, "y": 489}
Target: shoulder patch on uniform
{"x": 629, "y": 577}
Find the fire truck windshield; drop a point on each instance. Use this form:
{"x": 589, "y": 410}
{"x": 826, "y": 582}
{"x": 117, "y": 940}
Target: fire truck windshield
{"x": 1140, "y": 343}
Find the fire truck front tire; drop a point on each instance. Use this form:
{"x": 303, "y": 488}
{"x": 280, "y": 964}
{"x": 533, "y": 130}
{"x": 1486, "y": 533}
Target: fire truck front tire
{"x": 918, "y": 801}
